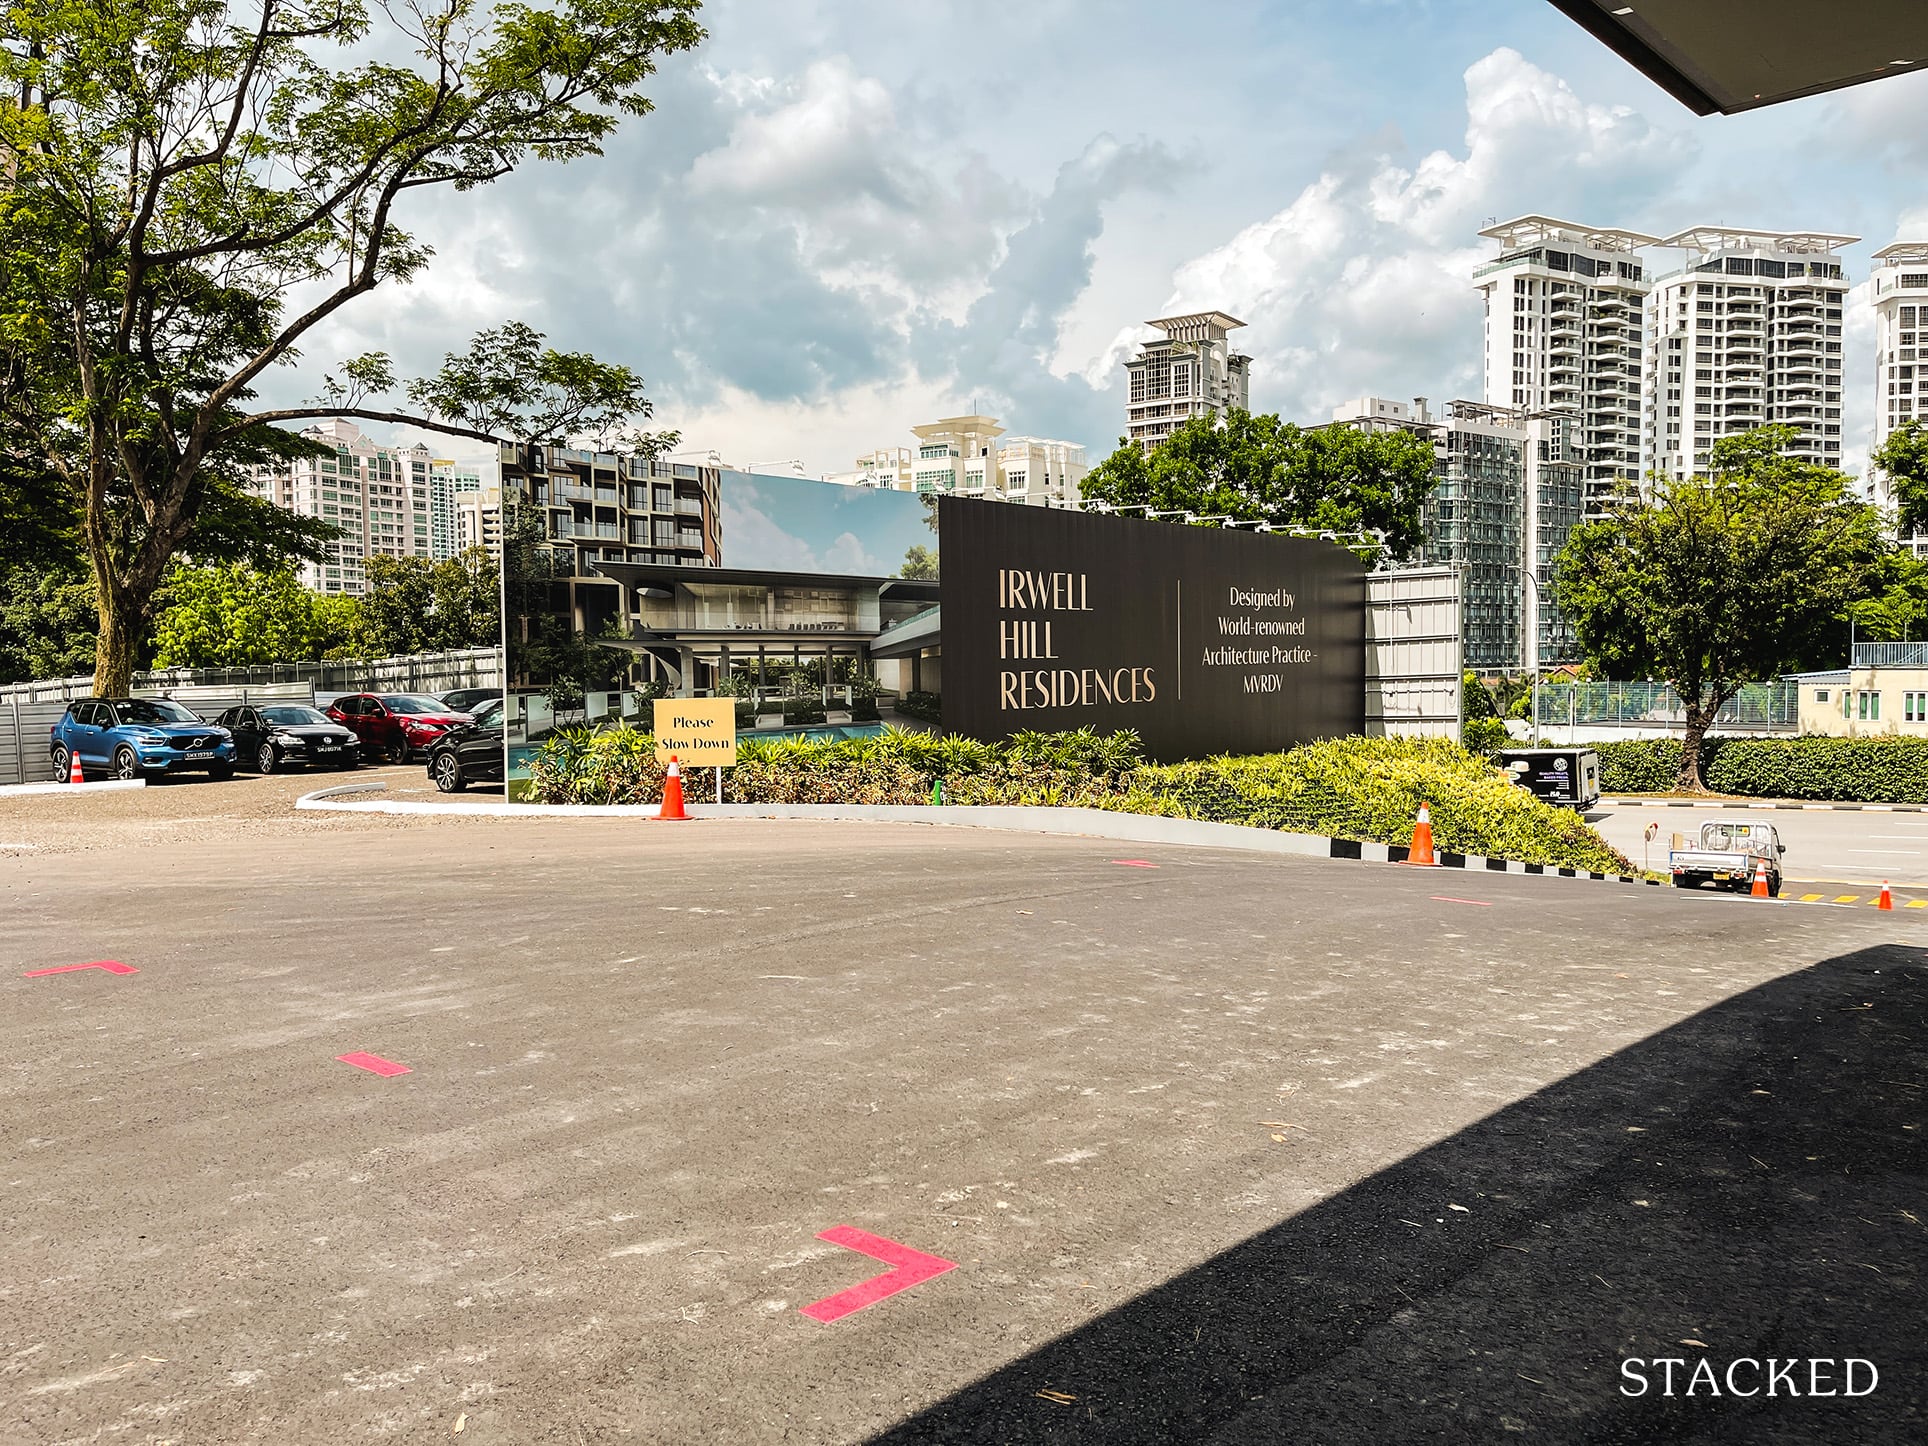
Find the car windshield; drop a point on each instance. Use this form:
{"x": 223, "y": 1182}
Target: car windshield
{"x": 291, "y": 715}
{"x": 412, "y": 703}
{"x": 489, "y": 715}
{"x": 153, "y": 710}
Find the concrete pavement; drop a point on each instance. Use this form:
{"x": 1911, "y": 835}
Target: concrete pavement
{"x": 1222, "y": 1147}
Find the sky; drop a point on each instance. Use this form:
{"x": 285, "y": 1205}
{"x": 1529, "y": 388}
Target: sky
{"x": 792, "y": 524}
{"x": 846, "y": 217}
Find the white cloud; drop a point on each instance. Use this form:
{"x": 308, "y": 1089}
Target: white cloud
{"x": 1363, "y": 282}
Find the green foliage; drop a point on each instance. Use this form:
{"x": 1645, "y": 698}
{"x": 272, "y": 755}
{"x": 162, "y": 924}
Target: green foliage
{"x": 1257, "y": 468}
{"x": 1643, "y": 765}
{"x": 1853, "y": 770}
{"x": 1360, "y": 788}
{"x": 415, "y": 606}
{"x": 925, "y": 707}
{"x": 1476, "y": 697}
{"x": 1721, "y": 580}
{"x": 176, "y": 173}
{"x": 1903, "y": 457}
{"x": 1821, "y": 769}
{"x": 47, "y": 622}
{"x": 230, "y": 616}
{"x": 509, "y": 384}
{"x": 1484, "y": 735}
{"x": 919, "y": 562}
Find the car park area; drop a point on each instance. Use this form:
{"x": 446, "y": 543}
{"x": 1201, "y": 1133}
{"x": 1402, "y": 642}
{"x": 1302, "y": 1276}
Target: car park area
{"x": 586, "y": 1130}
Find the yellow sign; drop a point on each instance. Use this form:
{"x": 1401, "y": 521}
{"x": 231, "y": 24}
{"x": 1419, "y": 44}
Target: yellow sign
{"x": 701, "y": 732}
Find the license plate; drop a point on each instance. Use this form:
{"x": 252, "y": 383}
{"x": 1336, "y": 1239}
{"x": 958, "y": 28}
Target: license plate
{"x": 1722, "y": 878}
{"x": 201, "y": 753}
{"x": 331, "y": 748}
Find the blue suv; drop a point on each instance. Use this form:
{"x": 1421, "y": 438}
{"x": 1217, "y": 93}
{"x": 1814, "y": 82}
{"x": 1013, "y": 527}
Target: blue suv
{"x": 133, "y": 737}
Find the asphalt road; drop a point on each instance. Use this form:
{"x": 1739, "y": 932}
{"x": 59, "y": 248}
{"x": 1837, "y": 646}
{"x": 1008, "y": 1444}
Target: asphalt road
{"x": 1832, "y": 846}
{"x": 1222, "y": 1148}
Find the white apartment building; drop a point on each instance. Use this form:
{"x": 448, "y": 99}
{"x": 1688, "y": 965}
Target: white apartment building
{"x": 886, "y": 467}
{"x": 955, "y": 455}
{"x": 478, "y": 513}
{"x": 1899, "y": 290}
{"x": 1564, "y": 334}
{"x": 1745, "y": 332}
{"x": 1040, "y": 470}
{"x": 379, "y": 497}
{"x": 1191, "y": 372}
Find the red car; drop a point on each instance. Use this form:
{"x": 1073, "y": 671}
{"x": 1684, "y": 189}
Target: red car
{"x": 395, "y": 726}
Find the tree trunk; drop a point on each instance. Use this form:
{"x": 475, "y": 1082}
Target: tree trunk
{"x": 1698, "y": 718}
{"x": 121, "y": 619}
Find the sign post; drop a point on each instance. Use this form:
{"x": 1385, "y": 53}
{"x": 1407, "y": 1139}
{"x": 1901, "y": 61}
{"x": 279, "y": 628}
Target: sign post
{"x": 700, "y": 732}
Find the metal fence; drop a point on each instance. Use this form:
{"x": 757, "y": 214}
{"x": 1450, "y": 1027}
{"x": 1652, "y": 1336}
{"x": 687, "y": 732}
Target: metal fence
{"x": 415, "y": 673}
{"x": 1762, "y": 706}
{"x": 25, "y": 733}
{"x": 1413, "y": 652}
{"x": 1891, "y": 655}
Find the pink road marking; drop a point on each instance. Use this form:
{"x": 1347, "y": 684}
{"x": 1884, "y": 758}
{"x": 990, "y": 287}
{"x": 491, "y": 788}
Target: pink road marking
{"x": 1135, "y": 863}
{"x": 1448, "y": 899}
{"x": 374, "y": 1064}
{"x": 909, "y": 1267}
{"x": 112, "y": 966}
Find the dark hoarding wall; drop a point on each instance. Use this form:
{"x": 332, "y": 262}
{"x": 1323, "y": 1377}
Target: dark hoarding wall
{"x": 1204, "y": 640}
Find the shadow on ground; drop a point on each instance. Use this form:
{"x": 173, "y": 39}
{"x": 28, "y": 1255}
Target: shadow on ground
{"x": 1751, "y": 1179}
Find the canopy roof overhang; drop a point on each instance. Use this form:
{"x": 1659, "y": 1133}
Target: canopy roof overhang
{"x": 1727, "y": 56}
{"x": 668, "y": 575}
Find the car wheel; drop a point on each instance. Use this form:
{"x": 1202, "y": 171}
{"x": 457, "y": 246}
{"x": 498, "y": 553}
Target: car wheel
{"x": 1774, "y": 887}
{"x": 265, "y": 760}
{"x": 398, "y": 750}
{"x": 448, "y": 774}
{"x": 127, "y": 764}
{"x": 63, "y": 765}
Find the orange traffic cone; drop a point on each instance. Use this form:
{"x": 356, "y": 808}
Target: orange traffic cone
{"x": 673, "y": 792}
{"x": 1421, "y": 852}
{"x": 74, "y": 775}
{"x": 1759, "y": 890}
{"x": 1887, "y": 900}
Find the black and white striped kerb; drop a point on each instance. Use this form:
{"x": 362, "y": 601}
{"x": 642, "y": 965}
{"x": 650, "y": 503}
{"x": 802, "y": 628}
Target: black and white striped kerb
{"x": 1378, "y": 853}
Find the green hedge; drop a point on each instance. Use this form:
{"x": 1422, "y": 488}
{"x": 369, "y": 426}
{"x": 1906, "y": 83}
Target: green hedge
{"x": 1641, "y": 765}
{"x": 1848, "y": 770}
{"x": 1839, "y": 770}
{"x": 1354, "y": 788}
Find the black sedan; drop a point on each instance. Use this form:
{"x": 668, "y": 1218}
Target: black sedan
{"x": 275, "y": 735}
{"x": 468, "y": 752}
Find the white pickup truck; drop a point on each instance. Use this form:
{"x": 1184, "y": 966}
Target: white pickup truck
{"x": 1726, "y": 853}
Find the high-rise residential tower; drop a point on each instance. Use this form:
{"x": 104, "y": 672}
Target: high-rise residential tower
{"x": 1191, "y": 372}
{"x": 1899, "y": 290}
{"x": 1564, "y": 335}
{"x": 1745, "y": 332}
{"x": 379, "y": 496}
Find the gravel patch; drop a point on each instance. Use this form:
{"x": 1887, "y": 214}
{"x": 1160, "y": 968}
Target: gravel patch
{"x": 183, "y": 811}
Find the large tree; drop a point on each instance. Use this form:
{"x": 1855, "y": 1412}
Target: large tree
{"x": 1903, "y": 459}
{"x": 1716, "y": 581}
{"x": 1257, "y": 468}
{"x": 189, "y": 188}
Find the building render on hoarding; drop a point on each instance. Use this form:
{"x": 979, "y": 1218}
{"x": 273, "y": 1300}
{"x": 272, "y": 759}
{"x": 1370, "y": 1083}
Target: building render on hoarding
{"x": 1509, "y": 488}
{"x": 1192, "y": 371}
{"x": 1745, "y": 332}
{"x": 607, "y": 507}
